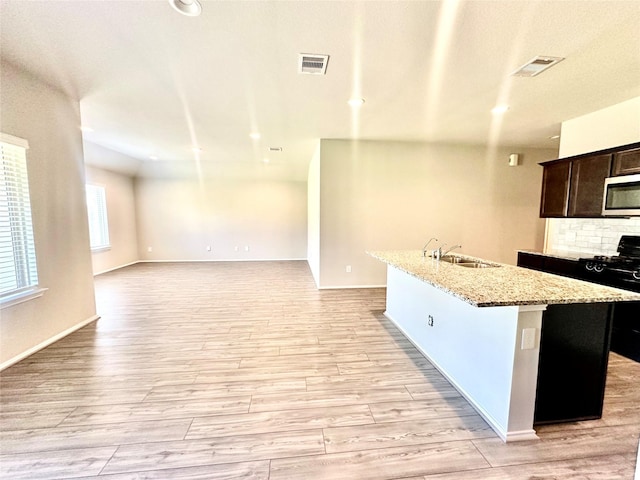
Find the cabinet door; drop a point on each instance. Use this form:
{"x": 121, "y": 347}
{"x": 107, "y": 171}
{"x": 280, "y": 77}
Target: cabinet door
{"x": 626, "y": 162}
{"x": 572, "y": 371}
{"x": 587, "y": 185}
{"x": 555, "y": 189}
{"x": 563, "y": 266}
{"x": 530, "y": 260}
{"x": 559, "y": 266}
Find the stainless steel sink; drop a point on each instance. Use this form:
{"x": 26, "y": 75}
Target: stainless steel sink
{"x": 476, "y": 265}
{"x": 467, "y": 262}
{"x": 456, "y": 260}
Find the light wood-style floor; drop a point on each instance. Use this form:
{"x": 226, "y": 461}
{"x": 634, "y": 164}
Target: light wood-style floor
{"x": 246, "y": 371}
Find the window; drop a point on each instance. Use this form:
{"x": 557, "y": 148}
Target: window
{"x": 98, "y": 225}
{"x": 18, "y": 269}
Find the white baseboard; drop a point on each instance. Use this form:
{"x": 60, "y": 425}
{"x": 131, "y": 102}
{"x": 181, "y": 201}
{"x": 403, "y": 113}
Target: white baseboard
{"x": 341, "y": 287}
{"x": 521, "y": 436}
{"x": 47, "y": 342}
{"x": 191, "y": 260}
{"x": 116, "y": 268}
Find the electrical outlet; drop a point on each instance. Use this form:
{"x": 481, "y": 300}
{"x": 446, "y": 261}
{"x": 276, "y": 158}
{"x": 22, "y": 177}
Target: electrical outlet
{"x": 528, "y": 339}
{"x": 149, "y": 249}
{"x": 348, "y": 269}
{"x": 208, "y": 248}
{"x": 246, "y": 248}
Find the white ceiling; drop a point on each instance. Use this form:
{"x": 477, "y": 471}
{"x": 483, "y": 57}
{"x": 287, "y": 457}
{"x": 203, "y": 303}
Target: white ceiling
{"x": 153, "y": 82}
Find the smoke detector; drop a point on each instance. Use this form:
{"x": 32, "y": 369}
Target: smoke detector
{"x": 312, "y": 64}
{"x": 536, "y": 66}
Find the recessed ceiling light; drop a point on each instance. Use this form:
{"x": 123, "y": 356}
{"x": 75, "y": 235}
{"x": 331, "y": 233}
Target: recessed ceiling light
{"x": 265, "y": 160}
{"x": 356, "y": 102}
{"x": 499, "y": 109}
{"x": 554, "y": 137}
{"x": 86, "y": 129}
{"x": 196, "y": 150}
{"x": 190, "y": 8}
{"x": 255, "y": 136}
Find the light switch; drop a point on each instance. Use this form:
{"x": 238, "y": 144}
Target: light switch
{"x": 528, "y": 339}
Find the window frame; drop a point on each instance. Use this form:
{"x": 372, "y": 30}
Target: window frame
{"x": 20, "y": 226}
{"x": 99, "y": 196}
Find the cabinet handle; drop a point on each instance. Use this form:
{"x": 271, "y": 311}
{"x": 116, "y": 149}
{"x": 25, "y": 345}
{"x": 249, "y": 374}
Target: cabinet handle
{"x": 430, "y": 321}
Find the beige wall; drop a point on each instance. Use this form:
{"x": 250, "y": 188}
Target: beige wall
{"x": 120, "y": 197}
{"x": 49, "y": 121}
{"x": 396, "y": 195}
{"x": 178, "y": 219}
{"x": 313, "y": 216}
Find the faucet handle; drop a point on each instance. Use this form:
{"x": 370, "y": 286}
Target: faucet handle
{"x": 424, "y": 249}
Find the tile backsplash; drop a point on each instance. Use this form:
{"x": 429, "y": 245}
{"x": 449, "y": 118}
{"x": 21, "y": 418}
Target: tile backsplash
{"x": 599, "y": 236}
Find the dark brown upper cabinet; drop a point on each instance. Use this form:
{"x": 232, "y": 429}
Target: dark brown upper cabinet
{"x": 626, "y": 162}
{"x": 574, "y": 186}
{"x": 587, "y": 185}
{"x": 555, "y": 189}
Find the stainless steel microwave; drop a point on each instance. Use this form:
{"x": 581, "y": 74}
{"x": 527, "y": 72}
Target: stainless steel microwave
{"x": 622, "y": 196}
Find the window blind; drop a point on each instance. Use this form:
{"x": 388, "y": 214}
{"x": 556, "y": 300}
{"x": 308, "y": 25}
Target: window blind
{"x": 18, "y": 269}
{"x": 97, "y": 211}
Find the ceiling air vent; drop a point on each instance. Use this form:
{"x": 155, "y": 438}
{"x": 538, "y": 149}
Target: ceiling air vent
{"x": 536, "y": 66}
{"x": 275, "y": 149}
{"x": 312, "y": 64}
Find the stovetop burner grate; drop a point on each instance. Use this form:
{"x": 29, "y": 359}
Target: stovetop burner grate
{"x": 629, "y": 253}
{"x": 622, "y": 270}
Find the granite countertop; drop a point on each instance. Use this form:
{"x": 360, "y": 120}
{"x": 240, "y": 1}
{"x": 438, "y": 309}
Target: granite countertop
{"x": 501, "y": 286}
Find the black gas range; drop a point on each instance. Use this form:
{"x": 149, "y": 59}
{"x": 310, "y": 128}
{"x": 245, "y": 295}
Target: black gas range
{"x": 620, "y": 271}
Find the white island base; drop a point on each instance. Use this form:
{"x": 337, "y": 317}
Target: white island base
{"x": 489, "y": 354}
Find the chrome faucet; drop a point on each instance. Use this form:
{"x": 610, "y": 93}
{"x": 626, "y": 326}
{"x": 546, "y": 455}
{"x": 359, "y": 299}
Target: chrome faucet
{"x": 424, "y": 249}
{"x": 452, "y": 248}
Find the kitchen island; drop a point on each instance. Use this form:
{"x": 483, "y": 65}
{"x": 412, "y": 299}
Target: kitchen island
{"x": 480, "y": 325}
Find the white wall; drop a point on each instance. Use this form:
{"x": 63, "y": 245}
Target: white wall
{"x": 313, "y": 216}
{"x": 121, "y": 208}
{"x": 610, "y": 127}
{"x": 179, "y": 218}
{"x": 49, "y": 121}
{"x": 396, "y": 195}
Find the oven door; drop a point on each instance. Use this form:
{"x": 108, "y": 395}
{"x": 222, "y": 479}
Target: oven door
{"x": 622, "y": 196}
